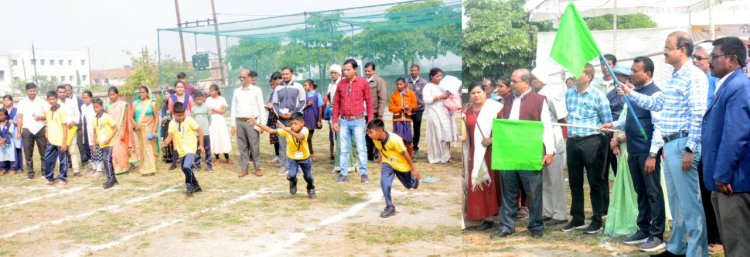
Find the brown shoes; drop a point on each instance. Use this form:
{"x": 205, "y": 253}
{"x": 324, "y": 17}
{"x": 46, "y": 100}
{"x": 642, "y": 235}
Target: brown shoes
{"x": 242, "y": 174}
{"x": 258, "y": 173}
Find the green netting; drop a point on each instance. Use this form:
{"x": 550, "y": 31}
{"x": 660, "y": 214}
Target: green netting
{"x": 393, "y": 36}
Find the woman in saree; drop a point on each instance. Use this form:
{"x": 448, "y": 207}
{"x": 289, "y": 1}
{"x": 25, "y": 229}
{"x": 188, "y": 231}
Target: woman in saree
{"x": 145, "y": 116}
{"x": 121, "y": 113}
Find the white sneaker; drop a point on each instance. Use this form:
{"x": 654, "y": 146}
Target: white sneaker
{"x": 275, "y": 159}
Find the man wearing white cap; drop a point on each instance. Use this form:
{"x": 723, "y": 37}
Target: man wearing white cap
{"x": 548, "y": 82}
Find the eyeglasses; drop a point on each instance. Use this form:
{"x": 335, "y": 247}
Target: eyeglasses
{"x": 713, "y": 57}
{"x": 699, "y": 58}
{"x": 243, "y": 77}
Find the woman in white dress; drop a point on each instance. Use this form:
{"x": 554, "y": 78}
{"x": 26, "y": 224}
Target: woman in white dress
{"x": 221, "y": 143}
{"x": 441, "y": 130}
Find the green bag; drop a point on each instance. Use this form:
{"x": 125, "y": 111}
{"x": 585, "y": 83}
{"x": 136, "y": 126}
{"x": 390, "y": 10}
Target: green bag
{"x": 622, "y": 214}
{"x": 517, "y": 145}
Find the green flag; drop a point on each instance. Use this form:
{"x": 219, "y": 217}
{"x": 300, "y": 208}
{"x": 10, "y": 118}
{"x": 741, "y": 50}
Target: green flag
{"x": 517, "y": 145}
{"x": 574, "y": 46}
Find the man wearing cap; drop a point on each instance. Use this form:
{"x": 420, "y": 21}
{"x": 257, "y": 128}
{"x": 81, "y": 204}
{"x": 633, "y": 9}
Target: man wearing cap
{"x": 645, "y": 171}
{"x": 417, "y": 84}
{"x": 548, "y": 83}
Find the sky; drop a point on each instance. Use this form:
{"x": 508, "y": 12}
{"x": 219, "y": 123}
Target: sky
{"x": 109, "y": 27}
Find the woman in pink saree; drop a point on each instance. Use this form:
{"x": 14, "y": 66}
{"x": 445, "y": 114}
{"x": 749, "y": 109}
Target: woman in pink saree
{"x": 121, "y": 113}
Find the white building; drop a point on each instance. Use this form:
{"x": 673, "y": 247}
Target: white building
{"x": 64, "y": 67}
{"x": 6, "y": 80}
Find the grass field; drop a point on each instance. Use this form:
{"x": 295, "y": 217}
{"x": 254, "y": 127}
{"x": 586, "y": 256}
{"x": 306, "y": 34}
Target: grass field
{"x": 250, "y": 216}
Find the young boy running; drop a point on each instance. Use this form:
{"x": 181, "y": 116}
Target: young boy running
{"x": 394, "y": 159}
{"x": 297, "y": 152}
{"x": 184, "y": 131}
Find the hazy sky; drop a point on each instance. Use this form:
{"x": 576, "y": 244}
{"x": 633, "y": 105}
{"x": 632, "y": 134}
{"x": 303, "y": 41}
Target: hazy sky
{"x": 109, "y": 27}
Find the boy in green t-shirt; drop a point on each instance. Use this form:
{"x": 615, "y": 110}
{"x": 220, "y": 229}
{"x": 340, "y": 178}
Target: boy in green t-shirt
{"x": 395, "y": 160}
{"x": 184, "y": 131}
{"x": 57, "y": 135}
{"x": 297, "y": 151}
{"x": 202, "y": 115}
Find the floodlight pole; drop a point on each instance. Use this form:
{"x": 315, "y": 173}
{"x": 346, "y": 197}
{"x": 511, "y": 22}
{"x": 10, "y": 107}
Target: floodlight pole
{"x": 218, "y": 44}
{"x": 179, "y": 25}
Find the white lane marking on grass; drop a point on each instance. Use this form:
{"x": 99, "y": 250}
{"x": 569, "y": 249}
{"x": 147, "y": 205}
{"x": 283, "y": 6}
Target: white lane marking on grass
{"x": 37, "y": 198}
{"x": 89, "y": 249}
{"x": 393, "y": 192}
{"x": 294, "y": 238}
{"x": 81, "y": 215}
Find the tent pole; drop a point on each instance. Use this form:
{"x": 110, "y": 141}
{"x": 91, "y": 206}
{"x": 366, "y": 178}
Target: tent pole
{"x": 614, "y": 30}
{"x": 711, "y": 25}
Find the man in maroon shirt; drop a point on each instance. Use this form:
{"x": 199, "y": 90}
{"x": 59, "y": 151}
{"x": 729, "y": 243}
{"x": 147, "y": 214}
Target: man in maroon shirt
{"x": 351, "y": 98}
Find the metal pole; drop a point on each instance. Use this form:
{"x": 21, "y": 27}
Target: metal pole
{"x": 33, "y": 62}
{"x": 614, "y": 31}
{"x": 218, "y": 45}
{"x": 158, "y": 57}
{"x": 711, "y": 25}
{"x": 307, "y": 49}
{"x": 179, "y": 25}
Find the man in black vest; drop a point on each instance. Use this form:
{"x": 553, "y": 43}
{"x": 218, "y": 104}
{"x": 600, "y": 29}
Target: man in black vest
{"x": 525, "y": 104}
{"x": 643, "y": 161}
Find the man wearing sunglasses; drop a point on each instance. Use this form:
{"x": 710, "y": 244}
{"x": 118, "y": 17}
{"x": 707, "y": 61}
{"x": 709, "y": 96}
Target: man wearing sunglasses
{"x": 700, "y": 60}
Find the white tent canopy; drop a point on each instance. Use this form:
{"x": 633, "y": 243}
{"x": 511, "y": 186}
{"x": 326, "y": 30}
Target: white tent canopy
{"x": 542, "y": 10}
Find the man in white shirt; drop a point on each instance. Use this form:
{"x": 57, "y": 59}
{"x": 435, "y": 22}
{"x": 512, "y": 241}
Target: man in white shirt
{"x": 548, "y": 83}
{"x": 534, "y": 107}
{"x": 31, "y": 125}
{"x": 72, "y": 97}
{"x": 247, "y": 110}
{"x": 74, "y": 115}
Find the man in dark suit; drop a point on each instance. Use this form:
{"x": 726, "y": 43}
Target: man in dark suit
{"x": 726, "y": 145}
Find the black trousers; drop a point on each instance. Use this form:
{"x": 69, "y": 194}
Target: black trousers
{"x": 589, "y": 153}
{"x": 29, "y": 140}
{"x": 416, "y": 121}
{"x": 371, "y": 151}
{"x": 649, "y": 193}
{"x": 711, "y": 223}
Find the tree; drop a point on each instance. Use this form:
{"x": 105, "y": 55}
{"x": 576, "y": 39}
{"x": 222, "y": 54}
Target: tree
{"x": 147, "y": 73}
{"x": 497, "y": 39}
{"x": 630, "y": 21}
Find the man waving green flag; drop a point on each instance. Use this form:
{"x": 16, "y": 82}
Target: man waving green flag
{"x": 574, "y": 46}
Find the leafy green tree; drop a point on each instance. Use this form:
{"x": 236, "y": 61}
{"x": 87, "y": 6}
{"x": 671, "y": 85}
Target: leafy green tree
{"x": 630, "y": 21}
{"x": 497, "y": 39}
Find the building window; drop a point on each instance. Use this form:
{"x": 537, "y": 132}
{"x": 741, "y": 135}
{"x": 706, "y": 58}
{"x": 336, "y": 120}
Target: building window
{"x": 70, "y": 62}
{"x": 60, "y": 62}
{"x": 106, "y": 81}
{"x": 70, "y": 77}
{"x": 2, "y": 75}
{"x": 41, "y": 62}
{"x": 83, "y": 62}
{"x": 51, "y": 62}
{"x": 83, "y": 78}
{"x": 14, "y": 62}
{"x": 62, "y": 78}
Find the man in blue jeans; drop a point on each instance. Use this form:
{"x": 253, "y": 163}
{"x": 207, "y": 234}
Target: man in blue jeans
{"x": 352, "y": 97}
{"x": 682, "y": 105}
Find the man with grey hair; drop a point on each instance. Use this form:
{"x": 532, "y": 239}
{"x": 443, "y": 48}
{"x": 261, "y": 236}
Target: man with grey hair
{"x": 247, "y": 110}
{"x": 548, "y": 82}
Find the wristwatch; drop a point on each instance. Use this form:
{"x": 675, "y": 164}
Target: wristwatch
{"x": 687, "y": 149}
{"x": 652, "y": 155}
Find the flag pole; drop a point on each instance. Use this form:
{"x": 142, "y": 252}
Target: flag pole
{"x": 627, "y": 102}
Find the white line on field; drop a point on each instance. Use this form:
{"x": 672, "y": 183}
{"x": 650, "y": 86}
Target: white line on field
{"x": 87, "y": 250}
{"x": 34, "y": 199}
{"x": 294, "y": 238}
{"x": 394, "y": 192}
{"x": 87, "y": 213}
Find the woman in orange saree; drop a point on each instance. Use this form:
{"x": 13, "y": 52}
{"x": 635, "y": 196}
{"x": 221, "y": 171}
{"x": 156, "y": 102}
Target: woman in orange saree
{"x": 121, "y": 113}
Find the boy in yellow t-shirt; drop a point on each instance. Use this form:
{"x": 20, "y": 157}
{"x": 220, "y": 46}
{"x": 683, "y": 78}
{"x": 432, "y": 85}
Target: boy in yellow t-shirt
{"x": 297, "y": 151}
{"x": 184, "y": 131}
{"x": 57, "y": 135}
{"x": 101, "y": 153}
{"x": 395, "y": 160}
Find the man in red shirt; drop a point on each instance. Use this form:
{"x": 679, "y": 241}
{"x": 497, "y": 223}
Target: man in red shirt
{"x": 349, "y": 103}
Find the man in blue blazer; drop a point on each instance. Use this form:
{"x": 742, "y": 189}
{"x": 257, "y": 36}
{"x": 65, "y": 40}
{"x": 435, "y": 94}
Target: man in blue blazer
{"x": 726, "y": 145}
